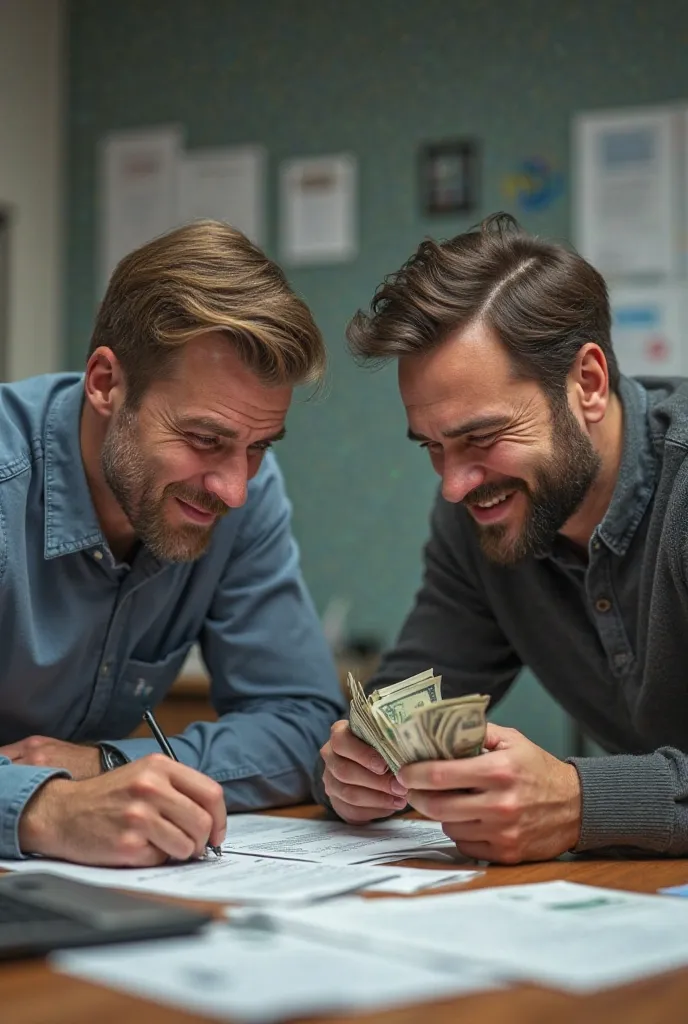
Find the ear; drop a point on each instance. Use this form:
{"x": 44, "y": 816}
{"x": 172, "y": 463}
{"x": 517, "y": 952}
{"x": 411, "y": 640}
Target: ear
{"x": 589, "y": 383}
{"x": 104, "y": 382}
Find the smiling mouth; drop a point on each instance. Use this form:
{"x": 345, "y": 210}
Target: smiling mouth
{"x": 493, "y": 510}
{"x": 195, "y": 514}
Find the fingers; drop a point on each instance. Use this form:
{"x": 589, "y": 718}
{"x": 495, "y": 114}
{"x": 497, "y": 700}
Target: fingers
{"x": 25, "y": 750}
{"x": 488, "y": 771}
{"x": 357, "y": 780}
{"x": 345, "y": 744}
{"x": 207, "y": 794}
{"x": 360, "y": 796}
{"x": 358, "y": 815}
{"x": 12, "y": 751}
{"x": 146, "y": 833}
{"x": 352, "y": 774}
{"x": 483, "y": 840}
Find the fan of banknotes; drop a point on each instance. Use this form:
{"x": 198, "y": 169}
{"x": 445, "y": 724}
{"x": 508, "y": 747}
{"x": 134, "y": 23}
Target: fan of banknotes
{"x": 409, "y": 721}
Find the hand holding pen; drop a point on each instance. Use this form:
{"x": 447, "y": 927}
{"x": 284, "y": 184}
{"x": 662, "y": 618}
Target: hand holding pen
{"x": 164, "y": 745}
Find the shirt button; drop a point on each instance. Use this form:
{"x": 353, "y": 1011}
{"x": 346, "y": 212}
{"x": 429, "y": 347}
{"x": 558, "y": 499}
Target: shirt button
{"x": 603, "y": 604}
{"x": 620, "y": 659}
{"x": 98, "y": 555}
{"x": 596, "y": 545}
{"x": 104, "y": 669}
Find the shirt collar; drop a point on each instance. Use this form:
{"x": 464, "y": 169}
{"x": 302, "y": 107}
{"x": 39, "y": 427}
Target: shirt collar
{"x": 635, "y": 483}
{"x": 71, "y": 523}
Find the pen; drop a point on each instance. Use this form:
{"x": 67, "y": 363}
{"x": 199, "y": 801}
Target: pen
{"x": 164, "y": 745}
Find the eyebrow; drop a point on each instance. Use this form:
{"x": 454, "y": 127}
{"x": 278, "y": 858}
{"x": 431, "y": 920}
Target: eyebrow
{"x": 471, "y": 427}
{"x": 204, "y": 424}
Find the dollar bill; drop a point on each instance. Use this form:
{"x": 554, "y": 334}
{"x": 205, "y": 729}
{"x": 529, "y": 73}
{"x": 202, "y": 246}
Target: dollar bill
{"x": 409, "y": 720}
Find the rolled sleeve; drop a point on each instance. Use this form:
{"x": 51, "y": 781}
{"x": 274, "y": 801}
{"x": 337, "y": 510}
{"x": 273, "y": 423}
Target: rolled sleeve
{"x": 18, "y": 783}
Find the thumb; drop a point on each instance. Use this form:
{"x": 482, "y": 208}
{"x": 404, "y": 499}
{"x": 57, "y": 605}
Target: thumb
{"x": 498, "y": 737}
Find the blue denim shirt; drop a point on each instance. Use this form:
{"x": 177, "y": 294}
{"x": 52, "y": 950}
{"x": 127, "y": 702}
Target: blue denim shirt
{"x": 87, "y": 643}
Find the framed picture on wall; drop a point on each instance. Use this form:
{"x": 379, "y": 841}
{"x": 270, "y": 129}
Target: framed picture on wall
{"x": 449, "y": 176}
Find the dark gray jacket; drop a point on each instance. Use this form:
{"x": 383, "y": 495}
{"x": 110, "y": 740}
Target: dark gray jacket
{"x": 606, "y": 635}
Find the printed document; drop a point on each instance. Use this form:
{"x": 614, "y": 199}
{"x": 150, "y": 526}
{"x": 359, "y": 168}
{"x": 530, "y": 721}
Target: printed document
{"x": 575, "y": 937}
{"x": 252, "y": 975}
{"x": 228, "y": 878}
{"x": 334, "y": 842}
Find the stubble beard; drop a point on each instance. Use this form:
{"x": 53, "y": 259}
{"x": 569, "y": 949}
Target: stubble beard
{"x": 129, "y": 476}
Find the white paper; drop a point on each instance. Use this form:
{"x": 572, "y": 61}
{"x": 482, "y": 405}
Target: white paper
{"x": 409, "y": 880}
{"x": 576, "y": 937}
{"x": 256, "y": 975}
{"x": 627, "y": 191}
{"x": 225, "y": 184}
{"x": 228, "y": 878}
{"x": 318, "y": 209}
{"x": 333, "y": 842}
{"x": 648, "y": 329}
{"x": 139, "y": 186}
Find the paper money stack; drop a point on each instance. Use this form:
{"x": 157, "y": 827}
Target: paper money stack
{"x": 409, "y": 721}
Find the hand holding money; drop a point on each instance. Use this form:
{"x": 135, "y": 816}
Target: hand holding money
{"x": 409, "y": 721}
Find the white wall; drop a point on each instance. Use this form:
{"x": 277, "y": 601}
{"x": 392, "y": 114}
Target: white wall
{"x": 31, "y": 94}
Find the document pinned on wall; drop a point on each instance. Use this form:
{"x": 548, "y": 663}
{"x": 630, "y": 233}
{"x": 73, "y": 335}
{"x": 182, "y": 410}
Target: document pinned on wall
{"x": 647, "y": 329}
{"x": 225, "y": 184}
{"x": 628, "y": 191}
{"x": 318, "y": 197}
{"x": 139, "y": 190}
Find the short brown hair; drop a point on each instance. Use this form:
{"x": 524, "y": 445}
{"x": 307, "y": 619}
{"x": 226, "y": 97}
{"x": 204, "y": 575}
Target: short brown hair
{"x": 206, "y": 276}
{"x": 543, "y": 300}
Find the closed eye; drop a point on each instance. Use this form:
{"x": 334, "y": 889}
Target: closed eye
{"x": 202, "y": 440}
{"x": 261, "y": 446}
{"x": 483, "y": 439}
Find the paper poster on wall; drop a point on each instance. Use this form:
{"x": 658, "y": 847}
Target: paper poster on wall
{"x": 318, "y": 209}
{"x": 225, "y": 184}
{"x": 648, "y": 329}
{"x": 627, "y": 191}
{"x": 138, "y": 190}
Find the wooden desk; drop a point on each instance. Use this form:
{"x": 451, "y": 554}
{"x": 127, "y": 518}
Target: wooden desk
{"x": 32, "y": 994}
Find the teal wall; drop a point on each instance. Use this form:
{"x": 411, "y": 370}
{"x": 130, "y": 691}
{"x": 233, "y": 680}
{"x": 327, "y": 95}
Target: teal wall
{"x": 375, "y": 77}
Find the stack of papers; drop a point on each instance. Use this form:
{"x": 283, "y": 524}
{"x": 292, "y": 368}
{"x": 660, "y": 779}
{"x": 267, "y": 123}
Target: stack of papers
{"x": 575, "y": 937}
{"x": 353, "y": 954}
{"x": 259, "y": 975}
{"x": 333, "y": 842}
{"x": 285, "y": 860}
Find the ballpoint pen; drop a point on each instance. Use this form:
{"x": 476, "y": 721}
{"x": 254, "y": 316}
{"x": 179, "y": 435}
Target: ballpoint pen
{"x": 164, "y": 745}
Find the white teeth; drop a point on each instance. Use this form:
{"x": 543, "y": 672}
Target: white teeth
{"x": 495, "y": 501}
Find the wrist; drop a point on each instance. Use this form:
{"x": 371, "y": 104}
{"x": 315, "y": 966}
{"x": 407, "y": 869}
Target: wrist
{"x": 574, "y": 808}
{"x": 39, "y": 820}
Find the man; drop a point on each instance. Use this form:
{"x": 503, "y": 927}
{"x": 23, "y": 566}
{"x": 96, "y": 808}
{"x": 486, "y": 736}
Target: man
{"x": 559, "y": 541}
{"x": 140, "y": 512}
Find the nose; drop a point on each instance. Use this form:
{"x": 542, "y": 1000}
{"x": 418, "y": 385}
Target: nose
{"x": 460, "y": 478}
{"x": 229, "y": 482}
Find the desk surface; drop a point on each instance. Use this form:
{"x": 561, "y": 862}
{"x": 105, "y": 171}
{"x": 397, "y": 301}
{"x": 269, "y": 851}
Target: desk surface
{"x": 32, "y": 994}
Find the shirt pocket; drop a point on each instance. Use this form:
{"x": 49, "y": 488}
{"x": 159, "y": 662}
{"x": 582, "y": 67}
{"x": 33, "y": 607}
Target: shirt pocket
{"x": 141, "y": 685}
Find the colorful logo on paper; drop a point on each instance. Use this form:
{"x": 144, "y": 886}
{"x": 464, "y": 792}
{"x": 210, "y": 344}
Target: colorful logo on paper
{"x": 534, "y": 185}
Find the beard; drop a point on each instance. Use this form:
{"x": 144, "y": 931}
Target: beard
{"x": 562, "y": 482}
{"x": 131, "y": 477}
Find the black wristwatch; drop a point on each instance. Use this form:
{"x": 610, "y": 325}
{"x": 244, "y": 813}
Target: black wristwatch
{"x": 111, "y": 757}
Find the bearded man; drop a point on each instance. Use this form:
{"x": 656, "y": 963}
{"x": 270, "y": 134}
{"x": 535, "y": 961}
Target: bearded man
{"x": 140, "y": 512}
{"x": 559, "y": 541}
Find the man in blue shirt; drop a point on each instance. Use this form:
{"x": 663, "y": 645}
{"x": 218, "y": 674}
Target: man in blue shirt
{"x": 140, "y": 512}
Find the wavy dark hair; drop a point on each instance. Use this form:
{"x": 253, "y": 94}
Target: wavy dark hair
{"x": 543, "y": 300}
